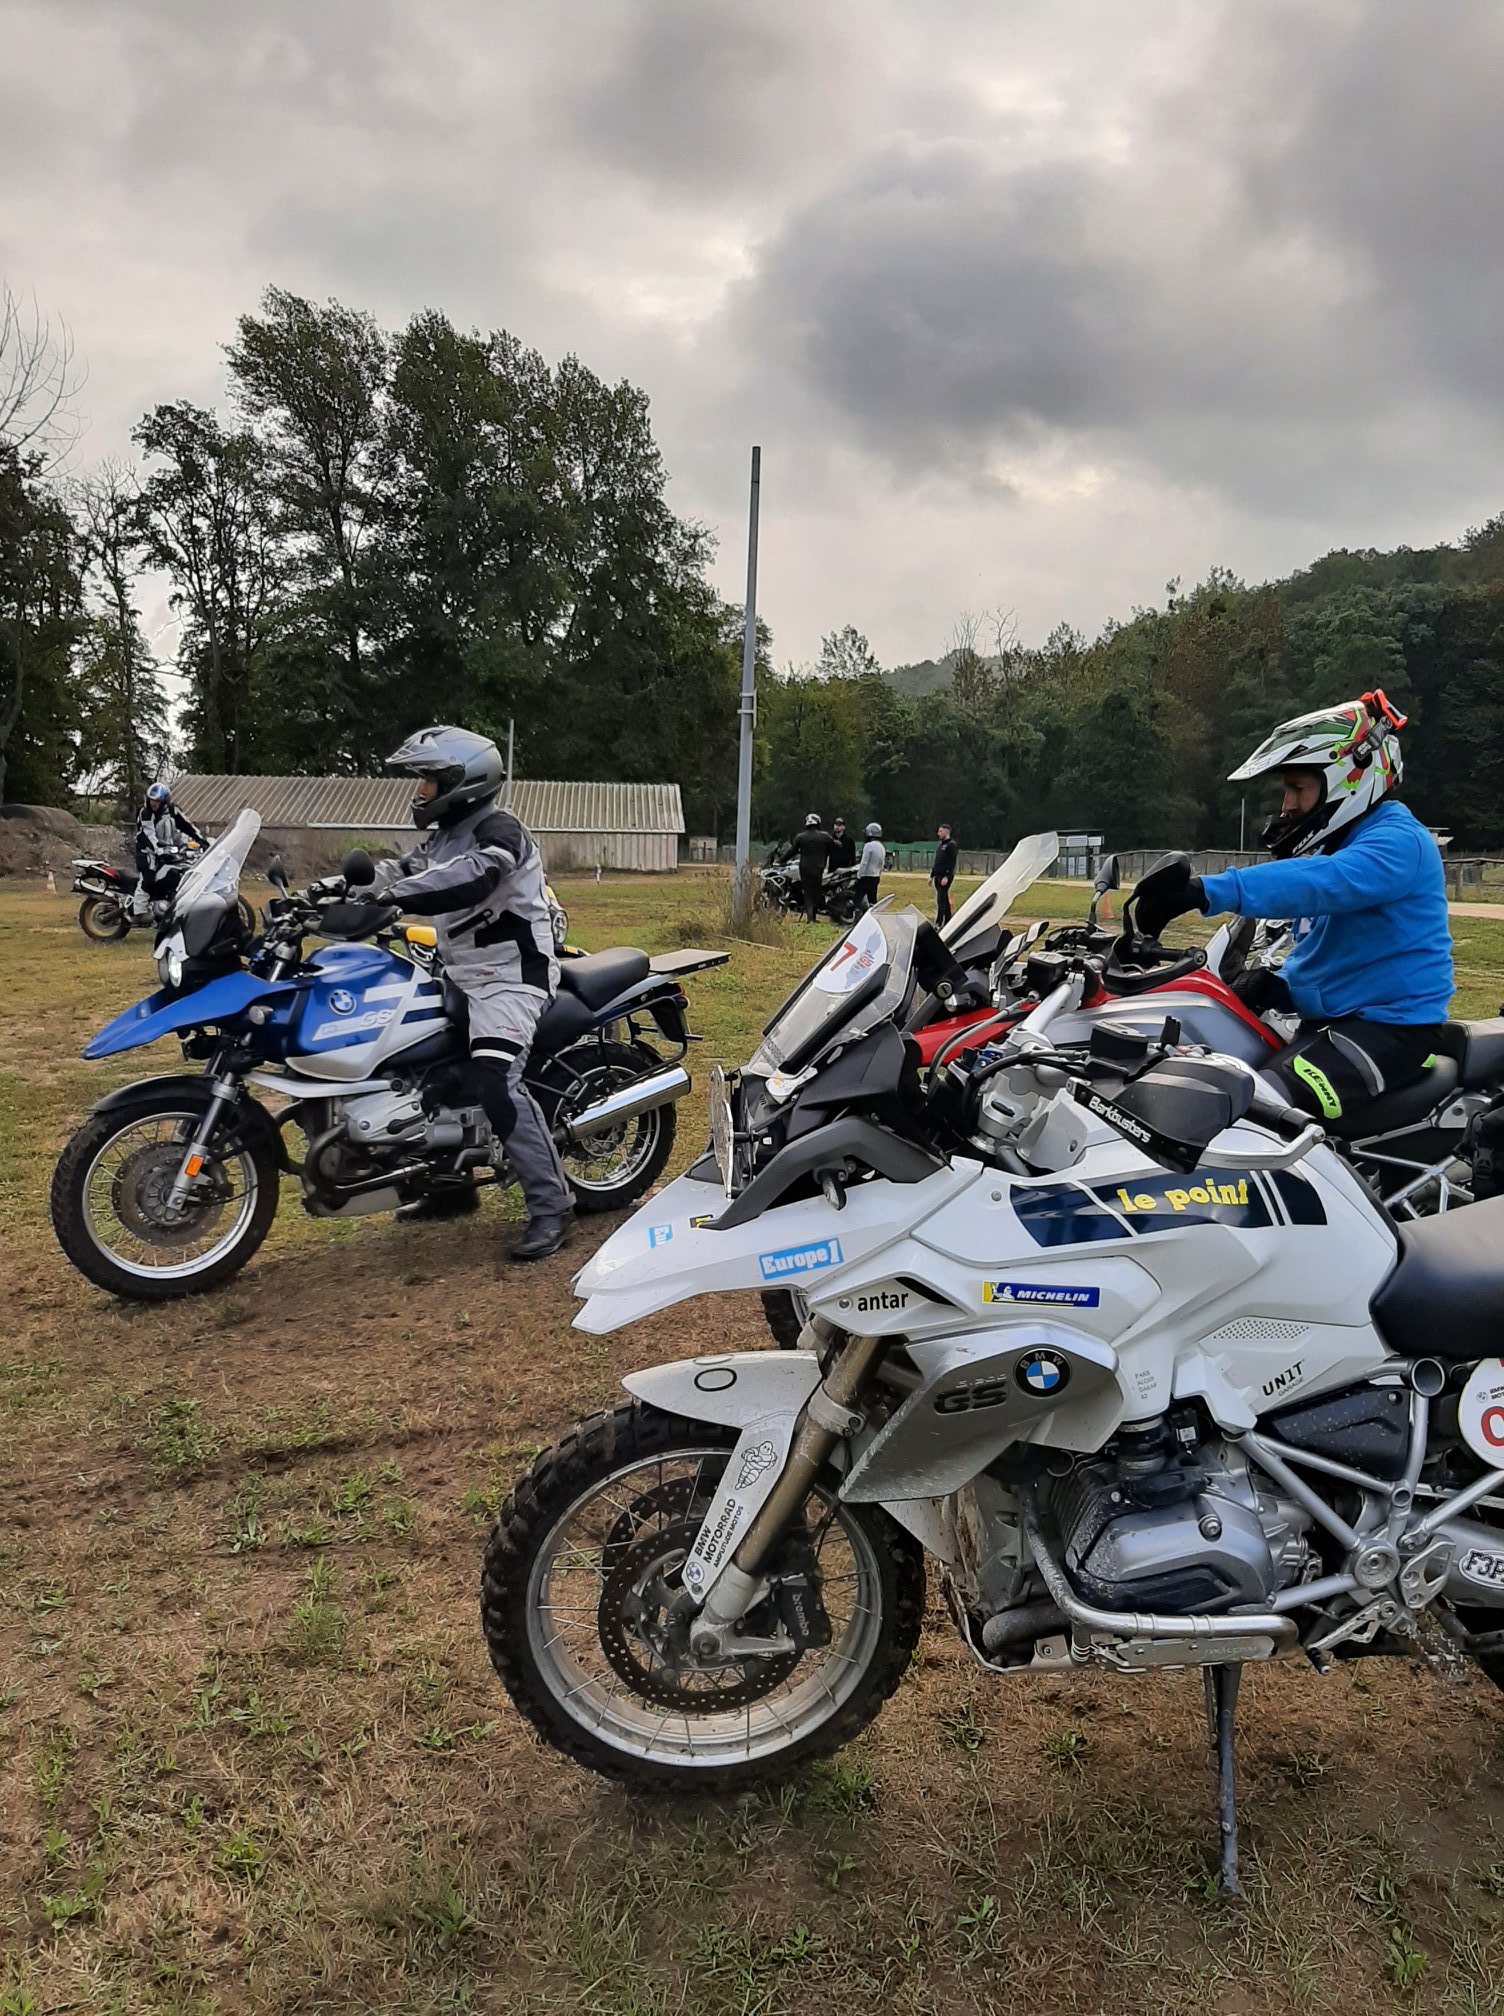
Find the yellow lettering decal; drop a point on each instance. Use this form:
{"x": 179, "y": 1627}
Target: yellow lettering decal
{"x": 1243, "y": 1190}
{"x": 1126, "y": 1202}
{"x": 1227, "y": 1194}
{"x": 1177, "y": 1199}
{"x": 1143, "y": 1201}
{"x": 1199, "y": 1196}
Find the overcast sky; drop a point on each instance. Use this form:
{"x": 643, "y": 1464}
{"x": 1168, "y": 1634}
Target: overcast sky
{"x": 1030, "y": 303}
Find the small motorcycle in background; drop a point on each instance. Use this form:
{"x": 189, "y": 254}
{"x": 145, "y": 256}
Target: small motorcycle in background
{"x": 115, "y": 904}
{"x": 779, "y": 888}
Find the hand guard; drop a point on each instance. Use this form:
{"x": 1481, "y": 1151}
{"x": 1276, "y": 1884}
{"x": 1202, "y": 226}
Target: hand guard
{"x": 357, "y": 920}
{"x": 1168, "y": 891}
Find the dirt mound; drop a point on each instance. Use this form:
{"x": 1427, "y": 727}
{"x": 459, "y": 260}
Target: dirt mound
{"x": 34, "y": 838}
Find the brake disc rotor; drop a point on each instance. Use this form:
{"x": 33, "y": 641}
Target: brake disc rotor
{"x": 645, "y": 1548}
{"x": 141, "y": 1186}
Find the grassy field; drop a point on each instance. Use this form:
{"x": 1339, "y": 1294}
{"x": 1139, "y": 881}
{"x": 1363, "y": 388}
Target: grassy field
{"x": 252, "y": 1756}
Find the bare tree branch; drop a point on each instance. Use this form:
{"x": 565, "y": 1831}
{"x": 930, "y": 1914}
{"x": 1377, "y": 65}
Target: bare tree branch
{"x": 40, "y": 378}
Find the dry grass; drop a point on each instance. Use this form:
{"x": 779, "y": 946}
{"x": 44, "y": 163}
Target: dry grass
{"x": 252, "y": 1756}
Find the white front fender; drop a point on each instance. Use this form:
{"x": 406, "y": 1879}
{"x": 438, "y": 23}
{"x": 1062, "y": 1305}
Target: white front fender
{"x": 763, "y": 1393}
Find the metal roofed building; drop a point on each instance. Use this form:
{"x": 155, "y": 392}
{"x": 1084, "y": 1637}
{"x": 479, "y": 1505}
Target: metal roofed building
{"x": 636, "y": 826}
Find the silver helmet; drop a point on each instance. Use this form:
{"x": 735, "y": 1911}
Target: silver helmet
{"x": 466, "y": 768}
{"x": 873, "y": 832}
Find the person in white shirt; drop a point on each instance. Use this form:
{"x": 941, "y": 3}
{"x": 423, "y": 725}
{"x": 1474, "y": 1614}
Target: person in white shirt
{"x": 870, "y": 867}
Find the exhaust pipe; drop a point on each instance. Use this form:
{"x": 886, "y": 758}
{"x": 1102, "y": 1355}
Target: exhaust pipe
{"x": 641, "y": 1096}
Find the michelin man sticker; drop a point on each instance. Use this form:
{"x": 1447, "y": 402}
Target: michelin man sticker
{"x": 1480, "y": 1412}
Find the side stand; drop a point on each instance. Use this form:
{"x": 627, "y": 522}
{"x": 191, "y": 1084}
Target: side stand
{"x": 1222, "y": 1684}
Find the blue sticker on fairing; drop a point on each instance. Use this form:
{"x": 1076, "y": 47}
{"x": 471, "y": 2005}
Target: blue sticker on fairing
{"x": 1030, "y": 1291}
{"x": 800, "y": 1260}
{"x": 660, "y": 1235}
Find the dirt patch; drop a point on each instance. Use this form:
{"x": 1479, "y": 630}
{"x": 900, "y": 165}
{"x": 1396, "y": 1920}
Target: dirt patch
{"x": 36, "y": 838}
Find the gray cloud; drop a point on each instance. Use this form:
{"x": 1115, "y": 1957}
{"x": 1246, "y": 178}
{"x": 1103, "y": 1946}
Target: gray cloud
{"x": 1034, "y": 305}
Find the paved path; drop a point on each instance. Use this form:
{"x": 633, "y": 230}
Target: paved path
{"x": 1477, "y": 909}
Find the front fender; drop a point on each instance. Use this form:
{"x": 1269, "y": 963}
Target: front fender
{"x": 165, "y": 1012}
{"x": 764, "y": 1394}
{"x": 194, "y": 1091}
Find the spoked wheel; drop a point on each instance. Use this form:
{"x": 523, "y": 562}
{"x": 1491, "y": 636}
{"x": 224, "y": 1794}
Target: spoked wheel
{"x": 103, "y": 919}
{"x": 613, "y": 1168}
{"x": 580, "y": 1605}
{"x": 112, "y": 1213}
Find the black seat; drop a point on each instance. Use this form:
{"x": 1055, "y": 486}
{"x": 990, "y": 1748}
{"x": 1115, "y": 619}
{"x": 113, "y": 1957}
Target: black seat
{"x": 1445, "y": 1298}
{"x": 600, "y": 976}
{"x": 1478, "y": 1048}
{"x": 1405, "y": 1107}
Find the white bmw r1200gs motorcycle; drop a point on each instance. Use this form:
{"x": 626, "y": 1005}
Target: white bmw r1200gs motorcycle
{"x": 1119, "y": 1343}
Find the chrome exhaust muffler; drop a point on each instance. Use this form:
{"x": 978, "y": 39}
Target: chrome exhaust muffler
{"x": 641, "y": 1096}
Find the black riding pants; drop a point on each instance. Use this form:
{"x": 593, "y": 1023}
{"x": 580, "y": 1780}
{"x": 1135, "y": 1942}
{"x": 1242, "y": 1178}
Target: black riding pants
{"x": 1334, "y": 1068}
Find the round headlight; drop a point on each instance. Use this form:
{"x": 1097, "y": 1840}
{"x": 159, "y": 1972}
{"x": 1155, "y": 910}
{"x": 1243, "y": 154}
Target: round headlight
{"x": 170, "y": 965}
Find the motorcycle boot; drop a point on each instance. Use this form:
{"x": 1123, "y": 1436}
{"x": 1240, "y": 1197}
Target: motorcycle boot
{"x": 542, "y": 1236}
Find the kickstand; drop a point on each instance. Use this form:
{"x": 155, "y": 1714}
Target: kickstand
{"x": 1221, "y": 1707}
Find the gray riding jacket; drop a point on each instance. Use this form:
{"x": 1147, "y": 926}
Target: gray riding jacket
{"x": 481, "y": 881}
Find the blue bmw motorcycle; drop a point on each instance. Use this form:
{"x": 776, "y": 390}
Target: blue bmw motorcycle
{"x": 172, "y": 1183}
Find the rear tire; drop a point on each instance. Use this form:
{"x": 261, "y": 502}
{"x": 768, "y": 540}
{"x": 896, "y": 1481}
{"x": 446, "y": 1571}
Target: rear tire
{"x": 528, "y": 1552}
{"x": 640, "y": 1148}
{"x": 784, "y": 1317}
{"x": 78, "y": 1177}
{"x": 102, "y": 920}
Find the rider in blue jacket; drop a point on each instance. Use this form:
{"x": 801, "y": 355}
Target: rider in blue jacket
{"x": 1371, "y": 973}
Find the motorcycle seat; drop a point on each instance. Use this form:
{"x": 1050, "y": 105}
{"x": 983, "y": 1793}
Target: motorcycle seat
{"x": 600, "y": 976}
{"x": 1405, "y": 1107}
{"x": 1478, "y": 1048}
{"x": 1445, "y": 1297}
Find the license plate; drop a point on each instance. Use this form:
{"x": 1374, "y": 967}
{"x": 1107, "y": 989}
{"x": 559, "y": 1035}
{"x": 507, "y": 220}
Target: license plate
{"x": 721, "y": 1131}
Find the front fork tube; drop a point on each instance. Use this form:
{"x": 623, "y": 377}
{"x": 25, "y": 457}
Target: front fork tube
{"x": 830, "y": 1415}
{"x": 225, "y": 1090}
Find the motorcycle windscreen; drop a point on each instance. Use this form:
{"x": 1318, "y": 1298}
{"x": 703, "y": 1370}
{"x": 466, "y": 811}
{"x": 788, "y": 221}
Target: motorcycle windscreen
{"x": 864, "y": 979}
{"x": 986, "y": 907}
{"x": 209, "y": 886}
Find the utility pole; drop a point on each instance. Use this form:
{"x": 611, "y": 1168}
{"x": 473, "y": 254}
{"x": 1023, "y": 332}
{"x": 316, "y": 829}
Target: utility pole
{"x": 747, "y": 712}
{"x": 506, "y": 796}
{"x": 1242, "y": 822}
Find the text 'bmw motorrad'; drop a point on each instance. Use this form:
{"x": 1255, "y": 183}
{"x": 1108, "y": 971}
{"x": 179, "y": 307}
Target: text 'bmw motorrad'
{"x": 1111, "y": 1338}
{"x": 171, "y": 1183}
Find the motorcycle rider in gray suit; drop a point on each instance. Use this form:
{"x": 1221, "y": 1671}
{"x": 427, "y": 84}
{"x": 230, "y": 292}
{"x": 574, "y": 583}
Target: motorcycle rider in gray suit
{"x": 478, "y": 874}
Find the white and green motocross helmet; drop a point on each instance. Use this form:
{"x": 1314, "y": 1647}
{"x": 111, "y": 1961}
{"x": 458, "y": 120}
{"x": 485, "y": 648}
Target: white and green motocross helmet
{"x": 1356, "y": 749}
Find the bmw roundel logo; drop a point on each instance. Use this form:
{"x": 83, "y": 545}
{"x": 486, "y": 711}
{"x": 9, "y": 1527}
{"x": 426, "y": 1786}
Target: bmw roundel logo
{"x": 1043, "y": 1373}
{"x": 342, "y": 1001}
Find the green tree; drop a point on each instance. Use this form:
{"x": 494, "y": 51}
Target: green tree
{"x": 125, "y": 736}
{"x": 41, "y": 616}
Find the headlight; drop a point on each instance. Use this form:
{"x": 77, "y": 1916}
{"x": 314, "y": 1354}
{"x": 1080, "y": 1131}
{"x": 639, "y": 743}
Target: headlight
{"x": 170, "y": 966}
{"x": 561, "y": 929}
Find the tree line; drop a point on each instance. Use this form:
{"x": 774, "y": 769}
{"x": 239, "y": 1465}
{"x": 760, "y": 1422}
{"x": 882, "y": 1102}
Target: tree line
{"x": 1132, "y": 734}
{"x": 384, "y": 528}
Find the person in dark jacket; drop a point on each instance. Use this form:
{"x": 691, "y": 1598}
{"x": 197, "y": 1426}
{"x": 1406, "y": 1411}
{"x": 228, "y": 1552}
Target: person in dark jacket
{"x": 161, "y": 831}
{"x": 943, "y": 874}
{"x": 843, "y": 846}
{"x": 813, "y": 845}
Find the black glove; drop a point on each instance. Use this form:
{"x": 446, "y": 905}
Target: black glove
{"x": 356, "y": 920}
{"x": 1166, "y": 892}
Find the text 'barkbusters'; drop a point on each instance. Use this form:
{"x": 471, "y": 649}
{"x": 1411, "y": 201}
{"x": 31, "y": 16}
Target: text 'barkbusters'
{"x": 1182, "y": 1200}
{"x": 800, "y": 1260}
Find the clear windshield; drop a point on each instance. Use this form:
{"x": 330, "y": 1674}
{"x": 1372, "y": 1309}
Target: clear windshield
{"x": 210, "y": 884}
{"x": 863, "y": 980}
{"x": 985, "y": 908}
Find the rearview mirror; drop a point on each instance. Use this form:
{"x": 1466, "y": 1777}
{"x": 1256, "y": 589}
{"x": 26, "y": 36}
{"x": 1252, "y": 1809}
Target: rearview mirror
{"x": 358, "y": 869}
{"x": 1107, "y": 875}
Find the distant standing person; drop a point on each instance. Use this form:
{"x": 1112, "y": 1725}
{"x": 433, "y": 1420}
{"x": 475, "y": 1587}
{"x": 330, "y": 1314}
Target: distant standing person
{"x": 943, "y": 874}
{"x": 874, "y": 860}
{"x": 813, "y": 846}
{"x": 843, "y": 847}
